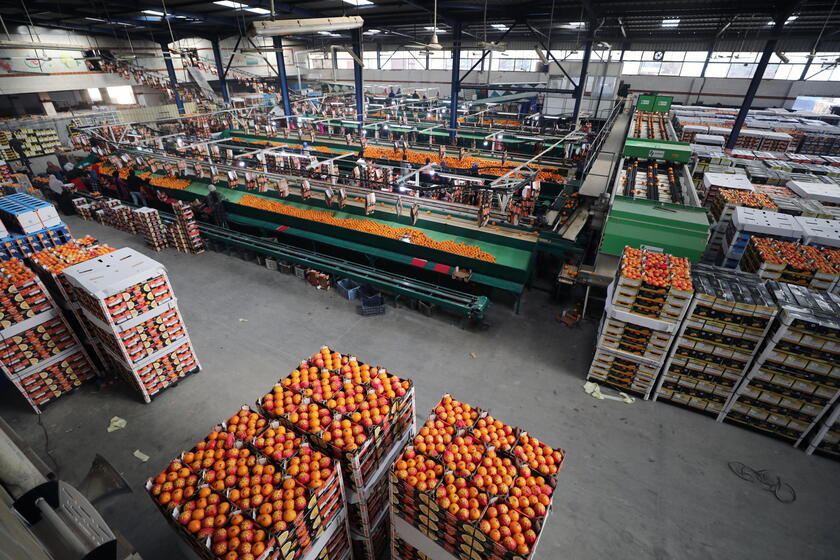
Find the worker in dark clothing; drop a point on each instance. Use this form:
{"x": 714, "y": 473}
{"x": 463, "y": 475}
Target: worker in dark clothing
{"x": 215, "y": 203}
{"x": 62, "y": 158}
{"x": 134, "y": 184}
{"x": 17, "y": 146}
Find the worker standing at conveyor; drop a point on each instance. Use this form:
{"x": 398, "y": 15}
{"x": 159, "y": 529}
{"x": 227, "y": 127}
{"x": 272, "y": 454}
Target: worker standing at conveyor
{"x": 215, "y": 203}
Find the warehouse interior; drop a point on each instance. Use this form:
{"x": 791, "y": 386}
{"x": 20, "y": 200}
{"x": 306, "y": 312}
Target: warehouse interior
{"x": 419, "y": 279}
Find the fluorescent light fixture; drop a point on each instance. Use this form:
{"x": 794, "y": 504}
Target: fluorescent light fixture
{"x": 358, "y": 2}
{"x": 787, "y": 21}
{"x": 305, "y": 26}
{"x": 261, "y": 11}
{"x": 499, "y": 26}
{"x": 229, "y": 4}
{"x": 674, "y": 22}
{"x": 153, "y": 13}
{"x": 438, "y": 30}
{"x": 95, "y": 19}
{"x": 371, "y": 32}
{"x": 575, "y": 24}
{"x": 329, "y": 34}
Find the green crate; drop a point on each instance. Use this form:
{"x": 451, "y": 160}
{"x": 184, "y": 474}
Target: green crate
{"x": 662, "y": 103}
{"x": 645, "y": 103}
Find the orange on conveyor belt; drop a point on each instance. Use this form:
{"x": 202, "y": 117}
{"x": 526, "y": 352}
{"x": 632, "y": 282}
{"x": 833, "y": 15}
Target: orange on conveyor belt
{"x": 367, "y": 226}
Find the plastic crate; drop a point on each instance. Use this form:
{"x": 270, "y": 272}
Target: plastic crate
{"x": 347, "y": 288}
{"x": 283, "y": 266}
{"x": 374, "y": 305}
{"x": 300, "y": 272}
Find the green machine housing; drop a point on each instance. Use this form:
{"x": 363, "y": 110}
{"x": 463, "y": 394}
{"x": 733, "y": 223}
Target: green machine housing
{"x": 655, "y": 103}
{"x": 676, "y": 229}
{"x": 664, "y": 150}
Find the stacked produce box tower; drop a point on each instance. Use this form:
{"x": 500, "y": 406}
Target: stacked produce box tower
{"x": 129, "y": 304}
{"x": 50, "y": 264}
{"x": 39, "y": 353}
{"x": 645, "y": 306}
{"x": 253, "y": 490}
{"x": 184, "y": 234}
{"x": 151, "y": 226}
{"x": 826, "y": 440}
{"x": 362, "y": 416}
{"x": 471, "y": 487}
{"x": 796, "y": 378}
{"x": 725, "y": 325}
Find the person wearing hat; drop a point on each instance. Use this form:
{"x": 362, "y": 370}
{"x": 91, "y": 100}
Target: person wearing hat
{"x": 215, "y": 203}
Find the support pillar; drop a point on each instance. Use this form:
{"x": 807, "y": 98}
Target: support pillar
{"x": 173, "y": 80}
{"x": 769, "y": 47}
{"x": 357, "y": 78}
{"x": 456, "y": 80}
{"x": 220, "y": 69}
{"x": 584, "y": 67}
{"x": 281, "y": 75}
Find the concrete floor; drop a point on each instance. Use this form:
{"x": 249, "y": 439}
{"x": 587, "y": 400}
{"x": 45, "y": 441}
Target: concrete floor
{"x": 646, "y": 480}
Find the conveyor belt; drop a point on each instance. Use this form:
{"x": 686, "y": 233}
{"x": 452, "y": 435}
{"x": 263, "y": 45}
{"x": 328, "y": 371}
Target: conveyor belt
{"x": 471, "y": 306}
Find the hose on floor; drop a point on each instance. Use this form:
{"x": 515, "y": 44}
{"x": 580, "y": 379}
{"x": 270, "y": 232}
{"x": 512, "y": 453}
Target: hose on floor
{"x": 766, "y": 479}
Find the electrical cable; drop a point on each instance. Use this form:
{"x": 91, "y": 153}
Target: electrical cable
{"x": 47, "y": 447}
{"x": 766, "y": 479}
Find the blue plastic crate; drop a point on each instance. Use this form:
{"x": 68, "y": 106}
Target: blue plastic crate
{"x": 347, "y": 288}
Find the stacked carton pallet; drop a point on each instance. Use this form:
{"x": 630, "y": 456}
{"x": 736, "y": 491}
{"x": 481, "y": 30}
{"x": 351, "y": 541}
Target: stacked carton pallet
{"x": 747, "y": 222}
{"x": 826, "y": 440}
{"x": 184, "y": 234}
{"x": 152, "y": 228}
{"x": 796, "y": 378}
{"x": 128, "y": 303}
{"x": 39, "y": 353}
{"x": 30, "y": 225}
{"x": 281, "y": 499}
{"x": 793, "y": 263}
{"x": 645, "y": 306}
{"x": 722, "y": 208}
{"x": 120, "y": 217}
{"x": 726, "y": 323}
{"x": 358, "y": 414}
{"x": 471, "y": 487}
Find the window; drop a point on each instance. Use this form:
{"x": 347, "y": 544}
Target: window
{"x": 121, "y": 95}
{"x": 320, "y": 61}
{"x": 717, "y": 69}
{"x": 94, "y": 94}
{"x": 824, "y": 68}
{"x": 692, "y": 69}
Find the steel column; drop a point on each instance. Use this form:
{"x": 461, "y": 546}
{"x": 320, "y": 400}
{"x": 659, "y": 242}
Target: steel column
{"x": 357, "y": 77}
{"x": 281, "y": 74}
{"x": 379, "y": 56}
{"x": 587, "y": 54}
{"x": 220, "y": 68}
{"x": 769, "y": 47}
{"x": 456, "y": 80}
{"x": 173, "y": 80}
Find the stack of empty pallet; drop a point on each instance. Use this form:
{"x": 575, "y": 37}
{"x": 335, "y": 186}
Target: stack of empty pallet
{"x": 30, "y": 226}
{"x": 723, "y": 329}
{"x": 132, "y": 312}
{"x": 39, "y": 353}
{"x": 184, "y": 234}
{"x": 152, "y": 228}
{"x": 645, "y": 306}
{"x": 796, "y": 378}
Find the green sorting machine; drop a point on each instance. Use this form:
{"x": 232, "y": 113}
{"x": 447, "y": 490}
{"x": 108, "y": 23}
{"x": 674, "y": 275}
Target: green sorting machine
{"x": 663, "y": 150}
{"x": 673, "y": 228}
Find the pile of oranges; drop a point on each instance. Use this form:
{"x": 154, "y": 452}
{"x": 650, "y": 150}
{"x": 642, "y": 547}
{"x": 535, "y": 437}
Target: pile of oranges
{"x": 489, "y": 166}
{"x": 170, "y": 183}
{"x": 14, "y": 273}
{"x": 417, "y": 237}
{"x": 56, "y": 259}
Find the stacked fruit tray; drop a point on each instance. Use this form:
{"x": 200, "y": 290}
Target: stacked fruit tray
{"x": 796, "y": 378}
{"x": 120, "y": 217}
{"x": 251, "y": 490}
{"x": 184, "y": 234}
{"x": 358, "y": 414}
{"x": 645, "y": 305}
{"x": 826, "y": 440}
{"x": 471, "y": 487}
{"x": 152, "y": 228}
{"x": 23, "y": 213}
{"x": 129, "y": 306}
{"x": 23, "y": 245}
{"x": 792, "y": 263}
{"x": 39, "y": 353}
{"x": 747, "y": 222}
{"x": 726, "y": 323}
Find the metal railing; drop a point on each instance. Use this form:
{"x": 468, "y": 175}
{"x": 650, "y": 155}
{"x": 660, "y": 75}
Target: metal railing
{"x": 601, "y": 137}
